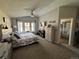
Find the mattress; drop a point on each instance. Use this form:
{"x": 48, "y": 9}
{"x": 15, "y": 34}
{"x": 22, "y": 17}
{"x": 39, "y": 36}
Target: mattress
{"x": 27, "y": 35}
{"x": 26, "y": 39}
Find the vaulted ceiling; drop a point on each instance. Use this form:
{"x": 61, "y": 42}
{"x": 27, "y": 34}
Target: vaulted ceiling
{"x": 16, "y": 8}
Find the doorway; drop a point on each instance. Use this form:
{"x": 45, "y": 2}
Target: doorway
{"x": 65, "y": 30}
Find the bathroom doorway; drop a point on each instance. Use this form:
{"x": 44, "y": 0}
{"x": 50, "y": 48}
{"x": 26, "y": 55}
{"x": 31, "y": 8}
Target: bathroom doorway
{"x": 65, "y": 30}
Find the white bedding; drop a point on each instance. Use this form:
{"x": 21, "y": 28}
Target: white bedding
{"x": 26, "y": 39}
{"x": 27, "y": 36}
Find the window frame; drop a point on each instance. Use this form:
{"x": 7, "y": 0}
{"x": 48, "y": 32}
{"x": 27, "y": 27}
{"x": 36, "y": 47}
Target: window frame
{"x": 23, "y": 24}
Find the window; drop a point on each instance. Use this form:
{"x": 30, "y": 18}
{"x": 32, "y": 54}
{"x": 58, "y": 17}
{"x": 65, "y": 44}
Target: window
{"x": 20, "y": 26}
{"x": 32, "y": 26}
{"x": 27, "y": 26}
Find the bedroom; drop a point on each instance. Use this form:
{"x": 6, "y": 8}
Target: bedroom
{"x": 32, "y": 29}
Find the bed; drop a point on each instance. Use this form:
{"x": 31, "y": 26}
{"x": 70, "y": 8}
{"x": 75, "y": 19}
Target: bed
{"x": 25, "y": 39}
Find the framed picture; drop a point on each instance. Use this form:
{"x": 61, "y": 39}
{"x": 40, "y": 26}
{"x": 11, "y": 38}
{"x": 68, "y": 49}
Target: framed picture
{"x": 3, "y": 19}
{"x": 45, "y": 23}
{"x": 54, "y": 21}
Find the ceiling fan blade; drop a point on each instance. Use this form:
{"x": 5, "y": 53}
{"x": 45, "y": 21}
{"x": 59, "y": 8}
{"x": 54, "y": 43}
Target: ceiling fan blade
{"x": 31, "y": 11}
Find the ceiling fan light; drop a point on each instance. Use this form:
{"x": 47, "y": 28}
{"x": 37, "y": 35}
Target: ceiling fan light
{"x": 32, "y": 15}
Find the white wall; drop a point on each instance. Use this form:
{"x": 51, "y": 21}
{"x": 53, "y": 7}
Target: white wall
{"x": 64, "y": 12}
{"x": 51, "y": 16}
{"x": 77, "y": 20}
{"x": 69, "y": 13}
{"x": 7, "y": 21}
{"x": 25, "y": 19}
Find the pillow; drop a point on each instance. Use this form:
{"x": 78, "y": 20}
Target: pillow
{"x": 17, "y": 36}
{"x": 7, "y": 40}
{"x": 13, "y": 38}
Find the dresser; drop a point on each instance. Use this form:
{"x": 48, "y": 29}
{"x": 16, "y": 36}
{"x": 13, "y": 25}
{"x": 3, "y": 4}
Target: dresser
{"x": 50, "y": 34}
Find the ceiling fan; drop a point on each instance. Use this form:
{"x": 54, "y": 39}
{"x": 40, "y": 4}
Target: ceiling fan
{"x": 31, "y": 12}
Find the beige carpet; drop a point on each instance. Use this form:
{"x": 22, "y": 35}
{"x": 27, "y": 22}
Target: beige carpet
{"x": 43, "y": 50}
